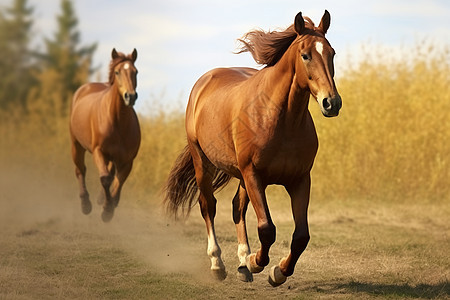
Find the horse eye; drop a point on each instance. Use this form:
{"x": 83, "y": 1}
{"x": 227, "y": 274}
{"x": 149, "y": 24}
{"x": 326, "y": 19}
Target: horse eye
{"x": 117, "y": 72}
{"x": 305, "y": 56}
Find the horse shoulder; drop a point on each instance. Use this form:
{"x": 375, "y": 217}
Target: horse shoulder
{"x": 89, "y": 89}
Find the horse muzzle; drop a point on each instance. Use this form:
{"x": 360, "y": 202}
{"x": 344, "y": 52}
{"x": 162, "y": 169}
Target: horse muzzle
{"x": 130, "y": 98}
{"x": 330, "y": 106}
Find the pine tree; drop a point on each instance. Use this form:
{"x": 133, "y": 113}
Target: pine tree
{"x": 65, "y": 58}
{"x": 16, "y": 59}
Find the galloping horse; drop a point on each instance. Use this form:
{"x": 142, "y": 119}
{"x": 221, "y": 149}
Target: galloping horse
{"x": 255, "y": 126}
{"x": 103, "y": 121}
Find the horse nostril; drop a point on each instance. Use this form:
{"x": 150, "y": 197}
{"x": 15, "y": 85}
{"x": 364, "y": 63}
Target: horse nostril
{"x": 326, "y": 104}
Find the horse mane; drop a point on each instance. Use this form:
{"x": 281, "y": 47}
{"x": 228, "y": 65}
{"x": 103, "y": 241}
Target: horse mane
{"x": 114, "y": 62}
{"x": 267, "y": 48}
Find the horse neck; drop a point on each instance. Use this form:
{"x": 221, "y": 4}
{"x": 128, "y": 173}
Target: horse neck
{"x": 115, "y": 105}
{"x": 285, "y": 91}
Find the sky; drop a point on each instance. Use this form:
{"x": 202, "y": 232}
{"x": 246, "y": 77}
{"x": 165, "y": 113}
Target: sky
{"x": 177, "y": 41}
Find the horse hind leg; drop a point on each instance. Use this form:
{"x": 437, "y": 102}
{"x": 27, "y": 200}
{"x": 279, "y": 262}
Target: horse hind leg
{"x": 240, "y": 205}
{"x": 204, "y": 173}
{"x": 80, "y": 171}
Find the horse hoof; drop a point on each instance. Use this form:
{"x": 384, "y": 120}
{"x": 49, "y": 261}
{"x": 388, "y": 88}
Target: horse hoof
{"x": 107, "y": 215}
{"x": 86, "y": 207}
{"x": 252, "y": 266}
{"x": 244, "y": 274}
{"x": 219, "y": 274}
{"x": 276, "y": 278}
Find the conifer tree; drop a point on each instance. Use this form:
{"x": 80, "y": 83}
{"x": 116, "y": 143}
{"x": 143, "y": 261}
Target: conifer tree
{"x": 16, "y": 60}
{"x": 65, "y": 61}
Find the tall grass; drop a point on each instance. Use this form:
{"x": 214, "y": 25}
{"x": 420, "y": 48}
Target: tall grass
{"x": 391, "y": 140}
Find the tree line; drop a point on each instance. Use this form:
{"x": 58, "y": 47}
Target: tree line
{"x": 35, "y": 81}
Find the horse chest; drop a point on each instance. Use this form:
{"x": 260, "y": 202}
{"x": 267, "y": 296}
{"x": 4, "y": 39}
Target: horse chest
{"x": 287, "y": 157}
{"x": 120, "y": 143}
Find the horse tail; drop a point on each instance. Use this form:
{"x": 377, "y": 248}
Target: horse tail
{"x": 181, "y": 187}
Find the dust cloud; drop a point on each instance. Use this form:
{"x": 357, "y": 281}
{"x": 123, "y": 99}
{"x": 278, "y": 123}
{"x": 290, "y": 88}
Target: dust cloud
{"x": 31, "y": 196}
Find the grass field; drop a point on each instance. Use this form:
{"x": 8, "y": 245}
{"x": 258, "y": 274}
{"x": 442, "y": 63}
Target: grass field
{"x": 381, "y": 232}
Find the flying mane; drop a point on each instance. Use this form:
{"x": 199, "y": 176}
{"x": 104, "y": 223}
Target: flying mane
{"x": 267, "y": 48}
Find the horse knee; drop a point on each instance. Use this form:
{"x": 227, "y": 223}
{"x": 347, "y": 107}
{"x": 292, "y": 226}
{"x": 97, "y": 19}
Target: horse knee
{"x": 106, "y": 181}
{"x": 267, "y": 233}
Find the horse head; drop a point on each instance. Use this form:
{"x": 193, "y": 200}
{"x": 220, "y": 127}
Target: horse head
{"x": 314, "y": 63}
{"x": 124, "y": 73}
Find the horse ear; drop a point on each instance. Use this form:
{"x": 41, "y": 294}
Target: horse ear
{"x": 114, "y": 54}
{"x": 299, "y": 23}
{"x": 325, "y": 22}
{"x": 134, "y": 55}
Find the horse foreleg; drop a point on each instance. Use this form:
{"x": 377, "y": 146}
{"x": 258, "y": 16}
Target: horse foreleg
{"x": 266, "y": 229}
{"x": 101, "y": 199}
{"x": 121, "y": 176}
{"x": 299, "y": 201}
{"x": 80, "y": 171}
{"x": 240, "y": 205}
{"x": 106, "y": 180}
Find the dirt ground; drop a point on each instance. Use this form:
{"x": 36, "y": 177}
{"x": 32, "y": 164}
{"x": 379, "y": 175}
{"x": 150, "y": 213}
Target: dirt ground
{"x": 49, "y": 249}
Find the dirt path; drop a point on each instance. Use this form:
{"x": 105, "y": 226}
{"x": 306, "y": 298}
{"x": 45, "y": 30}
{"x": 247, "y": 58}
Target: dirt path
{"x": 49, "y": 249}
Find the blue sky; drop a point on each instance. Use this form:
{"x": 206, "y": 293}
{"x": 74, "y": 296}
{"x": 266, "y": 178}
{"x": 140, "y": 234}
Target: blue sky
{"x": 178, "y": 41}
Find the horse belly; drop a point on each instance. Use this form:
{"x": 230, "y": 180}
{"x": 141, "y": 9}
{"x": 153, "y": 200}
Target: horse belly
{"x": 219, "y": 151}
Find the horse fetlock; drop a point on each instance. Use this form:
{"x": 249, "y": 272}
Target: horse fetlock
{"x": 217, "y": 263}
{"x": 213, "y": 248}
{"x": 214, "y": 252}
{"x": 84, "y": 196}
{"x": 242, "y": 253}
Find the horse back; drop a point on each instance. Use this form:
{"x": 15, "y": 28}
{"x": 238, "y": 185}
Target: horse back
{"x": 219, "y": 81}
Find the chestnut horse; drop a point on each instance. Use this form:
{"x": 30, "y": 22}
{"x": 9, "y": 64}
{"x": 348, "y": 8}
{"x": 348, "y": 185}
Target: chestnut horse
{"x": 103, "y": 122}
{"x": 254, "y": 125}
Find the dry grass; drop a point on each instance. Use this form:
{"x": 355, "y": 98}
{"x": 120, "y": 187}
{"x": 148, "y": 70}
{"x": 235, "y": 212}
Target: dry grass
{"x": 391, "y": 140}
{"x": 378, "y": 215}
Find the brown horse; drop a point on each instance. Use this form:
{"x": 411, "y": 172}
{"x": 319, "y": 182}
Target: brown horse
{"x": 255, "y": 126}
{"x": 103, "y": 121}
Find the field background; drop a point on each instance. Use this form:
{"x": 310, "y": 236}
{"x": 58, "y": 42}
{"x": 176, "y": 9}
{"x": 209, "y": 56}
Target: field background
{"x": 379, "y": 212}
